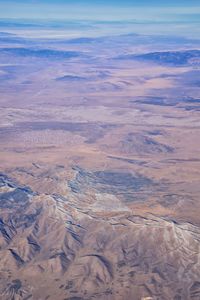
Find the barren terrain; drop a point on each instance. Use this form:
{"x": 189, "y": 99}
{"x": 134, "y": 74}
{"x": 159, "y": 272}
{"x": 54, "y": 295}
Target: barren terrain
{"x": 100, "y": 168}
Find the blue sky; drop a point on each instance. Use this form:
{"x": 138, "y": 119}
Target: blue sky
{"x": 100, "y": 9}
{"x": 113, "y": 2}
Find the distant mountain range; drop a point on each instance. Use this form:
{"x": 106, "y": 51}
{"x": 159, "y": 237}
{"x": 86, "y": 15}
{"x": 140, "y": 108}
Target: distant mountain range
{"x": 40, "y": 53}
{"x": 178, "y": 58}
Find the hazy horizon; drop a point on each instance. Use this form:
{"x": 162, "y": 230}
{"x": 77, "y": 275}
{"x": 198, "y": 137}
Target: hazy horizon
{"x": 99, "y": 10}
{"x": 176, "y": 18}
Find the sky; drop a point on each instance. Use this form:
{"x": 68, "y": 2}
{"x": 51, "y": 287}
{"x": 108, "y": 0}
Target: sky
{"x": 100, "y": 9}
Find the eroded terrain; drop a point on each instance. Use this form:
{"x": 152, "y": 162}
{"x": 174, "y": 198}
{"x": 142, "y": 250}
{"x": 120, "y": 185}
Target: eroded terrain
{"x": 100, "y": 168}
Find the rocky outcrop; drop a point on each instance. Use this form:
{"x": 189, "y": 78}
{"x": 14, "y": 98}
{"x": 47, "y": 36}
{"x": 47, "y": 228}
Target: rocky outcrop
{"x": 53, "y": 249}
